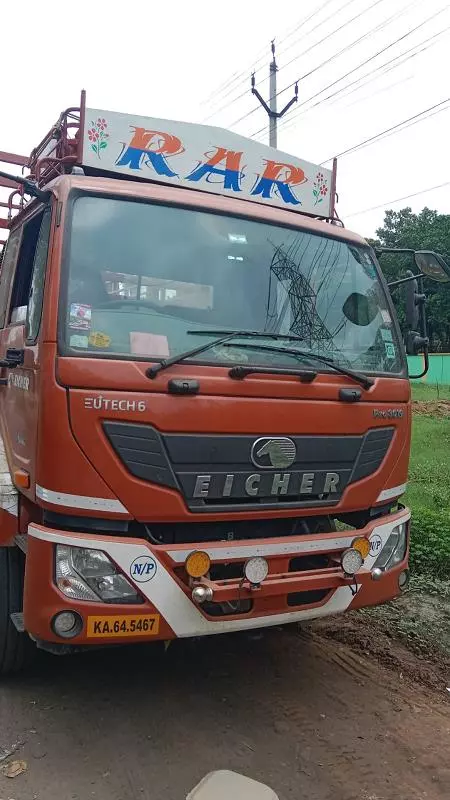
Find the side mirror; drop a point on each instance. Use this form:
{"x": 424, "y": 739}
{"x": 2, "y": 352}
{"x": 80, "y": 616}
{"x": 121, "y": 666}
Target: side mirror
{"x": 415, "y": 343}
{"x": 432, "y": 266}
{"x": 413, "y": 300}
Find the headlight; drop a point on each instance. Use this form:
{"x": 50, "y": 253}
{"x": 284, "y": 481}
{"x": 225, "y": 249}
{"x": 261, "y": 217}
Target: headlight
{"x": 85, "y": 574}
{"x": 394, "y": 551}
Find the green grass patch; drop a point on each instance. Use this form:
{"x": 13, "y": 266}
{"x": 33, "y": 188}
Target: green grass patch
{"x": 428, "y": 496}
{"x": 429, "y": 469}
{"x": 428, "y": 392}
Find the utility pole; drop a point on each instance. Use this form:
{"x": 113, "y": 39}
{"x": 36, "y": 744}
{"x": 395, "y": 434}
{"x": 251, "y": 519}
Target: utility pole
{"x": 271, "y": 109}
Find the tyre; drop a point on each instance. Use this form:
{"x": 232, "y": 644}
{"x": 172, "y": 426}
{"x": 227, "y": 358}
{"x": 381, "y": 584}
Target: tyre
{"x": 16, "y": 649}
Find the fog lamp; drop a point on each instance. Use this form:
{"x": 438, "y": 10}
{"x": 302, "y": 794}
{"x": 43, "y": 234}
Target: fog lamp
{"x": 403, "y": 580}
{"x": 351, "y": 561}
{"x": 67, "y": 624}
{"x": 362, "y": 545}
{"x": 197, "y": 564}
{"x": 256, "y": 570}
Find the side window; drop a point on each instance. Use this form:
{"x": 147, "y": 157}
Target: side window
{"x": 7, "y": 271}
{"x": 36, "y": 295}
{"x": 32, "y": 244}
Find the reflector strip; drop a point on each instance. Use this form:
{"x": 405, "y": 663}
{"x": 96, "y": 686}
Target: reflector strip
{"x": 80, "y": 501}
{"x": 395, "y": 491}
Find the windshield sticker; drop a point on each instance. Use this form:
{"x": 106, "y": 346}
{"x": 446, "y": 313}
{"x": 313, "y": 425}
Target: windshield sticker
{"x": 390, "y": 350}
{"x": 79, "y": 341}
{"x": 146, "y": 344}
{"x": 386, "y": 334}
{"x": 80, "y": 316}
{"x": 100, "y": 340}
{"x": 237, "y": 238}
{"x": 385, "y": 316}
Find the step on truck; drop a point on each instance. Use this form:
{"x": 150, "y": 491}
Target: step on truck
{"x": 204, "y": 404}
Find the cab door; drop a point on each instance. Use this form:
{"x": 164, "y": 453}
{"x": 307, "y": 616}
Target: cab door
{"x": 22, "y": 280}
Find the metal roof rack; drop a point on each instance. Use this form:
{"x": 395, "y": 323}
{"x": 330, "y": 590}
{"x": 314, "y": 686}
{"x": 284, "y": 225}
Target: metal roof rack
{"x": 55, "y": 155}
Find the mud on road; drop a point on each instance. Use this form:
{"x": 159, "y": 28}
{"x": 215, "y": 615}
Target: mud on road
{"x": 309, "y": 716}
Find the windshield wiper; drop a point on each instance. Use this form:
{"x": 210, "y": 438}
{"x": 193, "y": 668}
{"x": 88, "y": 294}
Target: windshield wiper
{"x": 167, "y": 362}
{"x": 359, "y": 377}
{"x": 226, "y": 336}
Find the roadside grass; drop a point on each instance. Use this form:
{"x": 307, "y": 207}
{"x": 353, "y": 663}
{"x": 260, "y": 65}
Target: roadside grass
{"x": 429, "y": 470}
{"x": 429, "y": 392}
{"x": 420, "y": 618}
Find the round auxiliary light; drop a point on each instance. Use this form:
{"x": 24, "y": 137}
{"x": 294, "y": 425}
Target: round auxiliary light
{"x": 256, "y": 570}
{"x": 201, "y": 594}
{"x": 403, "y": 579}
{"x": 197, "y": 564}
{"x": 362, "y": 545}
{"x": 67, "y": 624}
{"x": 351, "y": 561}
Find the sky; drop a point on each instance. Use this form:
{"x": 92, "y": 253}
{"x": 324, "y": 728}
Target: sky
{"x": 192, "y": 61}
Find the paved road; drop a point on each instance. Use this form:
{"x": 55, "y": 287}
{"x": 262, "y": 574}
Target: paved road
{"x": 303, "y": 714}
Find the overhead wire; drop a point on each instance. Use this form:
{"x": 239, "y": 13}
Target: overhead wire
{"x": 372, "y": 75}
{"x": 383, "y": 24}
{"x": 398, "y": 200}
{"x": 260, "y": 59}
{"x": 354, "y": 69}
{"x": 393, "y": 129}
{"x": 404, "y": 36}
{"x": 308, "y": 33}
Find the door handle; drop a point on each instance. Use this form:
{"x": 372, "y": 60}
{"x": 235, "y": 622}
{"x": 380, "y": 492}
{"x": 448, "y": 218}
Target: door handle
{"x": 14, "y": 358}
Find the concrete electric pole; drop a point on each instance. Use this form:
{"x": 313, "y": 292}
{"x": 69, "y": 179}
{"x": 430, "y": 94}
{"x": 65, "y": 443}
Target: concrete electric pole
{"x": 271, "y": 109}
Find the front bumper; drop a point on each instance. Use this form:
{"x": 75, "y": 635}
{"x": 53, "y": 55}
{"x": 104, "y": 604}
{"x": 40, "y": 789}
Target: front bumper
{"x": 167, "y": 594}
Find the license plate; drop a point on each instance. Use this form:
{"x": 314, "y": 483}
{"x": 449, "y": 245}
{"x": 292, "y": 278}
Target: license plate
{"x": 118, "y": 625}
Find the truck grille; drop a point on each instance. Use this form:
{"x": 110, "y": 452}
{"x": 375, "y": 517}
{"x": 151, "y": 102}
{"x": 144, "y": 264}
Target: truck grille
{"x": 220, "y": 472}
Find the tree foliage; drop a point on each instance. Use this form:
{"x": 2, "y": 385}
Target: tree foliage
{"x": 425, "y": 231}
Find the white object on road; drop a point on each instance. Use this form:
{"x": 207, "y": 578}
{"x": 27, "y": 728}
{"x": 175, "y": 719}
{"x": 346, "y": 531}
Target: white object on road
{"x": 223, "y": 785}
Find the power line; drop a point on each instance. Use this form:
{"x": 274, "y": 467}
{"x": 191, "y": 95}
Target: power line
{"x": 393, "y": 129}
{"x": 405, "y": 35}
{"x": 308, "y": 33}
{"x": 331, "y": 58}
{"x": 341, "y": 27}
{"x": 358, "y": 67}
{"x": 411, "y": 53}
{"x": 398, "y": 200}
{"x": 261, "y": 59}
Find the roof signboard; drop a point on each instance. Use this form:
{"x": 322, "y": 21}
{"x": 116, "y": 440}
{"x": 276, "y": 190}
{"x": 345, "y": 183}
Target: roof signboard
{"x": 205, "y": 158}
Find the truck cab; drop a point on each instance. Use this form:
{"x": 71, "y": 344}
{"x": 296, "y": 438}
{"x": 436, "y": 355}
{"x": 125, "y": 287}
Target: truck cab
{"x": 204, "y": 404}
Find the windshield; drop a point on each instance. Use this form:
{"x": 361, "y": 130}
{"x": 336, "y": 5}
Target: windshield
{"x": 146, "y": 281}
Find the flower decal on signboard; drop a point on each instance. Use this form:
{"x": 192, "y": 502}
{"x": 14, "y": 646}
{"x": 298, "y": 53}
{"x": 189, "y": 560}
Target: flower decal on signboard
{"x": 320, "y": 188}
{"x": 97, "y": 135}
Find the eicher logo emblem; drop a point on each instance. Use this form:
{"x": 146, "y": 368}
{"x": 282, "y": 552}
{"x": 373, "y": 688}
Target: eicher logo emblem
{"x": 276, "y": 452}
{"x": 143, "y": 569}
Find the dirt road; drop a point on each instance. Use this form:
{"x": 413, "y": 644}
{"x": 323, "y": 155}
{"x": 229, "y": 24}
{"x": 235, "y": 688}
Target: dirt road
{"x": 306, "y": 715}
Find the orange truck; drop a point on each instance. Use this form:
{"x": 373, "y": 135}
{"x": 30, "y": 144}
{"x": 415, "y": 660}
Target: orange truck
{"x": 204, "y": 402}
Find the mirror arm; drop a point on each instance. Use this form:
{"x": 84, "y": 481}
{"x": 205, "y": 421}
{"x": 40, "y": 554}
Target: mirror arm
{"x": 394, "y": 284}
{"x": 381, "y": 250}
{"x": 423, "y": 329}
{"x": 426, "y": 364}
